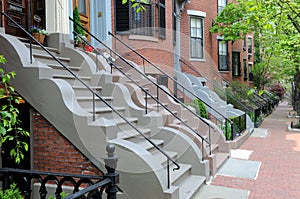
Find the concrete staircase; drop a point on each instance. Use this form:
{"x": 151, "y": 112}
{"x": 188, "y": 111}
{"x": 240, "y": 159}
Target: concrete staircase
{"x": 219, "y": 147}
{"x": 67, "y": 105}
{"x": 211, "y": 98}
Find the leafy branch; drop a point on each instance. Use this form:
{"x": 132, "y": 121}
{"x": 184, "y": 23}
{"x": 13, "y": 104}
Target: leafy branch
{"x": 10, "y": 129}
{"x": 138, "y": 4}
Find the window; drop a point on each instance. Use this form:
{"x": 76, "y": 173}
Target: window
{"x": 221, "y": 5}
{"x": 222, "y": 56}
{"x": 250, "y": 68}
{"x": 236, "y": 64}
{"x": 82, "y": 7}
{"x": 196, "y": 35}
{"x": 130, "y": 21}
{"x": 250, "y": 45}
{"x": 245, "y": 69}
{"x": 244, "y": 44}
{"x": 162, "y": 18}
{"x": 122, "y": 18}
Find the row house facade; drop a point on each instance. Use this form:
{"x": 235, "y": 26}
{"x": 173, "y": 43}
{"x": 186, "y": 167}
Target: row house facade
{"x": 170, "y": 31}
{"x": 70, "y": 128}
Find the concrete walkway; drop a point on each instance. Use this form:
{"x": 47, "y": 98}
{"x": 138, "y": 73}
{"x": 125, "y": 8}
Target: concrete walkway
{"x": 276, "y": 151}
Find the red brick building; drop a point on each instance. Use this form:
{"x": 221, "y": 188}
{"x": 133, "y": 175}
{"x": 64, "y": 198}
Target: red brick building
{"x": 181, "y": 30}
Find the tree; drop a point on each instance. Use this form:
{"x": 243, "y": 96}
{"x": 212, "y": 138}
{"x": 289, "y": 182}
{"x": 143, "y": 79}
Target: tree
{"x": 137, "y": 4}
{"x": 276, "y": 24}
{"x": 10, "y": 129}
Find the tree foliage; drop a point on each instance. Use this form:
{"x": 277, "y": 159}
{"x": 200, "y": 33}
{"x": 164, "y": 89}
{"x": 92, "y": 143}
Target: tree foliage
{"x": 139, "y": 5}
{"x": 276, "y": 24}
{"x": 10, "y": 130}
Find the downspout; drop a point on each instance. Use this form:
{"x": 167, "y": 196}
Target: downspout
{"x": 177, "y": 51}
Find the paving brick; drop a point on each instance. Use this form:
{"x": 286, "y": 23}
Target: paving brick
{"x": 279, "y": 175}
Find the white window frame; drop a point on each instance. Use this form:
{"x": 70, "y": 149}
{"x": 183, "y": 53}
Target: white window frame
{"x": 223, "y": 51}
{"x": 221, "y": 5}
{"x": 197, "y": 15}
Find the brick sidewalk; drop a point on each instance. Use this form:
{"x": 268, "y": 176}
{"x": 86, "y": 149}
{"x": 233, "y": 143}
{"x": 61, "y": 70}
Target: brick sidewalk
{"x": 279, "y": 153}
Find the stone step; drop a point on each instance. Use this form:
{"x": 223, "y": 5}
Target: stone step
{"x": 84, "y": 91}
{"x": 72, "y": 80}
{"x": 148, "y": 146}
{"x": 88, "y": 101}
{"x": 47, "y": 59}
{"x": 162, "y": 159}
{"x": 190, "y": 186}
{"x": 135, "y": 136}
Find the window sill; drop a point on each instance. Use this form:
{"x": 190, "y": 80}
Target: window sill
{"x": 143, "y": 38}
{"x": 197, "y": 60}
{"x": 224, "y": 71}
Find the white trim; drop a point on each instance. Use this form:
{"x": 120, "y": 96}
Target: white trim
{"x": 220, "y": 37}
{"x": 197, "y": 60}
{"x": 203, "y": 39}
{"x": 196, "y": 13}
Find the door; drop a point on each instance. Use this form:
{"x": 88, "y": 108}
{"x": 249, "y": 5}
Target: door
{"x": 18, "y": 11}
{"x": 37, "y": 11}
{"x": 84, "y": 10}
{"x": 23, "y": 12}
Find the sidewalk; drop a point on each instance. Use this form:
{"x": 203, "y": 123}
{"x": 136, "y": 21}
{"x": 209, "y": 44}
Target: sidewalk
{"x": 276, "y": 151}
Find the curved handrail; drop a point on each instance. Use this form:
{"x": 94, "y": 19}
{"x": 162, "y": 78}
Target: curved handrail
{"x": 224, "y": 92}
{"x": 94, "y": 93}
{"x": 174, "y": 80}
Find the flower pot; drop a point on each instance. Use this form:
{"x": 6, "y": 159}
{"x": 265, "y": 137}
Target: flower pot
{"x": 39, "y": 37}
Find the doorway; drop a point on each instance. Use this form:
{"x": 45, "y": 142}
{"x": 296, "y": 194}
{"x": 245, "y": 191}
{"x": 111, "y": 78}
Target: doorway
{"x": 23, "y": 12}
{"x": 84, "y": 10}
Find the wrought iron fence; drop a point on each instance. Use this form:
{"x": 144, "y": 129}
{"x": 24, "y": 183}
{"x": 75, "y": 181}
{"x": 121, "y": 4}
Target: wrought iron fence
{"x": 84, "y": 186}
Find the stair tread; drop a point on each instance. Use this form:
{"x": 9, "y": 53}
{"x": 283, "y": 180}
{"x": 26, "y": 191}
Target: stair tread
{"x": 58, "y": 66}
{"x": 114, "y": 120}
{"x": 83, "y": 87}
{"x": 176, "y": 174}
{"x": 190, "y": 186}
{"x": 147, "y": 145}
{"x": 161, "y": 158}
{"x": 177, "y": 121}
{"x": 132, "y": 133}
{"x": 70, "y": 77}
{"x": 91, "y": 98}
{"x": 106, "y": 109}
{"x": 49, "y": 57}
{"x": 166, "y": 112}
{"x": 38, "y": 46}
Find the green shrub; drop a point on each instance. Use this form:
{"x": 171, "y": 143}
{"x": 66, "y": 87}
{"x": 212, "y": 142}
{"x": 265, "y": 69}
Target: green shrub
{"x": 12, "y": 193}
{"x": 200, "y": 108}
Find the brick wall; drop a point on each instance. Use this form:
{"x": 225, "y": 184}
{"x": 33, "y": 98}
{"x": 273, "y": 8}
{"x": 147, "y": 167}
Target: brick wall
{"x": 157, "y": 50}
{"x": 52, "y": 152}
{"x": 160, "y": 51}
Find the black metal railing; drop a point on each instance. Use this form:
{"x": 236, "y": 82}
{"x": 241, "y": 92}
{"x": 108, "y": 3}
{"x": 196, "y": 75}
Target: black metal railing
{"x": 96, "y": 95}
{"x": 175, "y": 83}
{"x": 223, "y": 79}
{"x": 159, "y": 88}
{"x": 232, "y": 130}
{"x": 147, "y": 93}
{"x": 90, "y": 185}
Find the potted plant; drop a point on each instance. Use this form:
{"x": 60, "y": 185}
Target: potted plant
{"x": 79, "y": 31}
{"x": 38, "y": 33}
